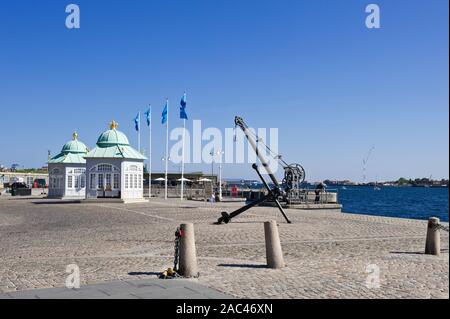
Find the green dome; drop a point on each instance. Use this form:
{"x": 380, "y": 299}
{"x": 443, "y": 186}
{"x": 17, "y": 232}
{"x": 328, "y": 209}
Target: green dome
{"x": 74, "y": 146}
{"x": 114, "y": 144}
{"x": 112, "y": 137}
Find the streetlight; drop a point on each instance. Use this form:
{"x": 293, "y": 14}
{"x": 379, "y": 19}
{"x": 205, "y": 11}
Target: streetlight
{"x": 166, "y": 177}
{"x": 220, "y": 153}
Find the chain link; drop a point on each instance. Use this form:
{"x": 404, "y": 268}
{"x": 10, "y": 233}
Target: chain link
{"x": 441, "y": 227}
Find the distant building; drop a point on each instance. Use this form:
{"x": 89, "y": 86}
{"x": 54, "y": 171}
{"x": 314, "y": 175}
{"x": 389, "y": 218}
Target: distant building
{"x": 67, "y": 171}
{"x": 114, "y": 168}
{"x": 7, "y": 178}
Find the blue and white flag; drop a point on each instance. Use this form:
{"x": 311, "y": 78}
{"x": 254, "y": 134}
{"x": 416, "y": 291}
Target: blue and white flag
{"x": 183, "y": 114}
{"x": 164, "y": 114}
{"x": 147, "y": 115}
{"x": 137, "y": 121}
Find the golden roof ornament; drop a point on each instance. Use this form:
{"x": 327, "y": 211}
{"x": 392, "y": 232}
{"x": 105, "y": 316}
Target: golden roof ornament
{"x": 75, "y": 136}
{"x": 113, "y": 125}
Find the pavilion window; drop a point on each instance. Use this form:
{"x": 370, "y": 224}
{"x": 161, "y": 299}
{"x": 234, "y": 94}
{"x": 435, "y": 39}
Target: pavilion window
{"x": 100, "y": 181}
{"x": 69, "y": 181}
{"x": 92, "y": 181}
{"x": 83, "y": 181}
{"x": 108, "y": 180}
{"x": 116, "y": 181}
{"x": 126, "y": 180}
{"x": 77, "y": 182}
{"x": 104, "y": 167}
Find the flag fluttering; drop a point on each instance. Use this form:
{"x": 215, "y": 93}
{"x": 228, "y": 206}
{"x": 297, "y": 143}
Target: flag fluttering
{"x": 183, "y": 114}
{"x": 147, "y": 115}
{"x": 137, "y": 121}
{"x": 164, "y": 114}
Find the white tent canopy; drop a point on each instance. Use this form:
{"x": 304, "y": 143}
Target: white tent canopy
{"x": 160, "y": 179}
{"x": 184, "y": 179}
{"x": 204, "y": 180}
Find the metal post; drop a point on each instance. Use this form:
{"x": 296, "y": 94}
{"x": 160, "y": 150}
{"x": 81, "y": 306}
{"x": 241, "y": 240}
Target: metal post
{"x": 220, "y": 181}
{"x": 150, "y": 158}
{"x": 167, "y": 149}
{"x": 182, "y": 160}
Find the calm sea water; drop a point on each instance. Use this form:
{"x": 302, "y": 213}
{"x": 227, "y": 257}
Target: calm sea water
{"x": 404, "y": 202}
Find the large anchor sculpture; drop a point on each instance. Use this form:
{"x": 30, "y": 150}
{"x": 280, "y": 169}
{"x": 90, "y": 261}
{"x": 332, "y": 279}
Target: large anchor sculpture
{"x": 273, "y": 194}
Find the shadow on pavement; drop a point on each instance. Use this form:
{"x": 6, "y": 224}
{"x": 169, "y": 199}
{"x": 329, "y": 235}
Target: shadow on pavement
{"x": 242, "y": 265}
{"x": 142, "y": 273}
{"x": 51, "y": 202}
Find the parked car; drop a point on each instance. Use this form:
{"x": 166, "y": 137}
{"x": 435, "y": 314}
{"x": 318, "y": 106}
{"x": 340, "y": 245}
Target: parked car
{"x": 16, "y": 185}
{"x": 20, "y": 189}
{"x": 39, "y": 183}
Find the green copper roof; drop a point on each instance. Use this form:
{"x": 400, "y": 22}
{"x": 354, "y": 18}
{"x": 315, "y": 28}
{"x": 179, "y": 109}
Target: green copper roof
{"x": 112, "y": 137}
{"x": 114, "y": 144}
{"x": 74, "y": 146}
{"x": 72, "y": 152}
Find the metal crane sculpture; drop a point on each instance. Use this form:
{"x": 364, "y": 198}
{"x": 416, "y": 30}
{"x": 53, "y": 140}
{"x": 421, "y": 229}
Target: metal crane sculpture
{"x": 294, "y": 175}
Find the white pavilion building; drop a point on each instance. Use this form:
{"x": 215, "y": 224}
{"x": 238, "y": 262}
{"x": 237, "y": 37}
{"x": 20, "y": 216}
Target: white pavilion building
{"x": 114, "y": 169}
{"x": 67, "y": 179}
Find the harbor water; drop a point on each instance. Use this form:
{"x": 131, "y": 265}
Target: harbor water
{"x": 403, "y": 202}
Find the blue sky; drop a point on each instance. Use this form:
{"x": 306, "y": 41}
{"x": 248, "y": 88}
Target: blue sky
{"x": 310, "y": 68}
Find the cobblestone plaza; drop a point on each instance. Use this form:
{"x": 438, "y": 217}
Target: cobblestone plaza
{"x": 327, "y": 253}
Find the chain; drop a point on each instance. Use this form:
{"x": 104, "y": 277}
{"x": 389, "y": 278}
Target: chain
{"x": 440, "y": 226}
{"x": 176, "y": 258}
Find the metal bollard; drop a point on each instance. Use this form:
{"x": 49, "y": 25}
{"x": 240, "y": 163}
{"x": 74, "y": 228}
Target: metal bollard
{"x": 433, "y": 242}
{"x": 274, "y": 253}
{"x": 188, "y": 257}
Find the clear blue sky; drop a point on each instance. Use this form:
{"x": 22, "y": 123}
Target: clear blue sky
{"x": 311, "y": 68}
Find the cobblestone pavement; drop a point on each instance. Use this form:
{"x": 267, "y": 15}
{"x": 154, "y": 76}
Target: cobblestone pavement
{"x": 327, "y": 253}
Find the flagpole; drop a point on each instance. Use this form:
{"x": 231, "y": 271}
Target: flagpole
{"x": 150, "y": 156}
{"x": 139, "y": 131}
{"x": 182, "y": 160}
{"x": 167, "y": 148}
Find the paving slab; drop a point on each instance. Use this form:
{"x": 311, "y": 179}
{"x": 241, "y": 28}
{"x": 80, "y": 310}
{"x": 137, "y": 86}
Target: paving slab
{"x": 142, "y": 289}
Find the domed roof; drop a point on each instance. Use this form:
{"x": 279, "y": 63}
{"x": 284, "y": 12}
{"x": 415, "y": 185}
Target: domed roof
{"x": 112, "y": 137}
{"x": 114, "y": 144}
{"x": 74, "y": 146}
{"x": 73, "y": 152}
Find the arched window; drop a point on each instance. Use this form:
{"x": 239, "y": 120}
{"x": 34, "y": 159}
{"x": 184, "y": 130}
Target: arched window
{"x": 104, "y": 167}
{"x": 100, "y": 177}
{"x": 76, "y": 178}
{"x": 133, "y": 168}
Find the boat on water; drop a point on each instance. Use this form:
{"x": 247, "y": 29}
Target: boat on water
{"x": 376, "y": 187}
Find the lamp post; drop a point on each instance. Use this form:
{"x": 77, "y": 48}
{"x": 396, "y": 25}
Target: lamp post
{"x": 220, "y": 153}
{"x": 166, "y": 176}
